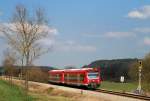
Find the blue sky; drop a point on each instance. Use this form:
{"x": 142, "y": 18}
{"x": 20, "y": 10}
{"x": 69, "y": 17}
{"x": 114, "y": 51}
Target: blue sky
{"x": 89, "y": 30}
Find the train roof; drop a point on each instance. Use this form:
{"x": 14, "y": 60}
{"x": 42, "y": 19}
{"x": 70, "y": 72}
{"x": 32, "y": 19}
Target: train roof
{"x": 71, "y": 70}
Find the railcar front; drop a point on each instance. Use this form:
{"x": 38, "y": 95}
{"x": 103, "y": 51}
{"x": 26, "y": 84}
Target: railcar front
{"x": 93, "y": 79}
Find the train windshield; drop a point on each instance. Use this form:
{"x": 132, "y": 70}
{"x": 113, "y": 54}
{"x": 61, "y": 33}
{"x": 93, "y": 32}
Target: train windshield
{"x": 92, "y": 75}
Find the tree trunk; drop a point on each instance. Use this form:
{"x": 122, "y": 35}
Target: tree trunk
{"x": 26, "y": 72}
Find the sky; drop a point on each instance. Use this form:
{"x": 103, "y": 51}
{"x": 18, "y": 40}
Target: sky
{"x": 89, "y": 30}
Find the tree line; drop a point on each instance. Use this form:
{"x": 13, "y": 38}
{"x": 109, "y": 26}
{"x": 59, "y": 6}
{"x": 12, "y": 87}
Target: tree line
{"x": 112, "y": 70}
{"x": 35, "y": 73}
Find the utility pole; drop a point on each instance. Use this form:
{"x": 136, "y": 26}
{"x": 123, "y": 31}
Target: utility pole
{"x": 140, "y": 74}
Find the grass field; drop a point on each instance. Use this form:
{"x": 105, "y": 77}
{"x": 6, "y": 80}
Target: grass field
{"x": 127, "y": 87}
{"x": 12, "y": 93}
{"x": 15, "y": 93}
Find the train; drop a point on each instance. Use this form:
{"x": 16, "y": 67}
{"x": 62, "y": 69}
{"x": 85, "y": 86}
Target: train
{"x": 87, "y": 77}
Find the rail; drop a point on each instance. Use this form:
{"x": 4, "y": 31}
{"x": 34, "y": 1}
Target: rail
{"x": 142, "y": 97}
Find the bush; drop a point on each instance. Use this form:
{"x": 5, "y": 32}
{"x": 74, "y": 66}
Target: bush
{"x": 37, "y": 74}
{"x": 145, "y": 72}
{"x": 133, "y": 71}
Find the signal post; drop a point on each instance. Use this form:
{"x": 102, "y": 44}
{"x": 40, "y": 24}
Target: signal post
{"x": 140, "y": 77}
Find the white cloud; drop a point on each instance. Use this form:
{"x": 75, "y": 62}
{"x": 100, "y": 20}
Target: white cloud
{"x": 47, "y": 42}
{"x": 147, "y": 40}
{"x": 142, "y": 30}
{"x": 50, "y": 30}
{"x": 141, "y": 13}
{"x": 136, "y": 14}
{"x": 66, "y": 46}
{"x": 119, "y": 34}
{"x": 112, "y": 35}
{"x": 69, "y": 46}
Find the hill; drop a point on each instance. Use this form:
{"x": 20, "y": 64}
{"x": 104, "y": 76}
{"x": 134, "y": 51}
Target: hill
{"x": 113, "y": 69}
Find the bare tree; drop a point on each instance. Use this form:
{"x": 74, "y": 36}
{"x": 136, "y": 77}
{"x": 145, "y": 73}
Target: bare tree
{"x": 37, "y": 74}
{"x": 8, "y": 63}
{"x": 24, "y": 33}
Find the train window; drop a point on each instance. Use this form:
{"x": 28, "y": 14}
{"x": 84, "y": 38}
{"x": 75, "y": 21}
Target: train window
{"x": 74, "y": 77}
{"x": 92, "y": 75}
{"x": 55, "y": 77}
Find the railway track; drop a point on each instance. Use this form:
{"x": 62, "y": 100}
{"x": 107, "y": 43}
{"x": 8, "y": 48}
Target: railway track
{"x": 142, "y": 97}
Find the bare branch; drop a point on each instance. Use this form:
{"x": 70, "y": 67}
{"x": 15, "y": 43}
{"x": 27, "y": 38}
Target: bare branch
{"x": 24, "y": 32}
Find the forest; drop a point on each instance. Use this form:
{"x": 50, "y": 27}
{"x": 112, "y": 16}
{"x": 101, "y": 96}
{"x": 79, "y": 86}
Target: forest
{"x": 111, "y": 70}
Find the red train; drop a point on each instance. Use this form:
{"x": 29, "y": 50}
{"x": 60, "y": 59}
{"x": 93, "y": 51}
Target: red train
{"x": 89, "y": 77}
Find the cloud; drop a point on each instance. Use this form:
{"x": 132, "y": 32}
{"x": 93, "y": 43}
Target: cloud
{"x": 66, "y": 46}
{"x": 47, "y": 42}
{"x": 147, "y": 40}
{"x": 142, "y": 30}
{"x": 119, "y": 34}
{"x": 50, "y": 30}
{"x": 141, "y": 13}
{"x": 69, "y": 46}
{"x": 136, "y": 14}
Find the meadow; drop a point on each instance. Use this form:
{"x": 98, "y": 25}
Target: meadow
{"x": 115, "y": 86}
{"x": 12, "y": 92}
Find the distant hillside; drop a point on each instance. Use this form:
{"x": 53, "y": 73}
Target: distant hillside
{"x": 113, "y": 69}
{"x": 103, "y": 63}
{"x": 45, "y": 67}
{"x": 18, "y": 68}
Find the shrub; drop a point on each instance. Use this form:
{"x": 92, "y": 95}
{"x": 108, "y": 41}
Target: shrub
{"x": 37, "y": 74}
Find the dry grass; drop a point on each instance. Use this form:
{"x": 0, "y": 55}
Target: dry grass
{"x": 51, "y": 93}
{"x": 44, "y": 92}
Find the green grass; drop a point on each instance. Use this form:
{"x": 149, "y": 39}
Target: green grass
{"x": 15, "y": 93}
{"x": 127, "y": 87}
{"x": 12, "y": 93}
